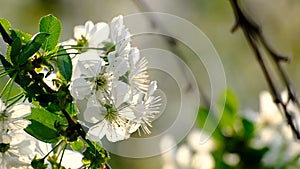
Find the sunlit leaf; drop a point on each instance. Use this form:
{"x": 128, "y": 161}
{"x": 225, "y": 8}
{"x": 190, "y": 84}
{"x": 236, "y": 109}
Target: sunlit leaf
{"x": 77, "y": 145}
{"x": 4, "y": 30}
{"x": 95, "y": 156}
{"x": 42, "y": 125}
{"x": 51, "y": 25}
{"x": 15, "y": 50}
{"x": 64, "y": 64}
{"x": 42, "y": 132}
{"x": 207, "y": 122}
{"x": 25, "y": 37}
{"x": 5, "y": 23}
{"x": 32, "y": 47}
{"x": 248, "y": 128}
{"x": 230, "y": 108}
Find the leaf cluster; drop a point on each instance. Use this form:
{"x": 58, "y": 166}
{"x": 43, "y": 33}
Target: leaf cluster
{"x": 29, "y": 60}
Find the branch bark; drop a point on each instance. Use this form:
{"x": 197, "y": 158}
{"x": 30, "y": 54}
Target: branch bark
{"x": 257, "y": 40}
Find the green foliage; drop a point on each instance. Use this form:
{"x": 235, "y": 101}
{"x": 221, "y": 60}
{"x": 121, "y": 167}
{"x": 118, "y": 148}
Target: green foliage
{"x": 31, "y": 47}
{"x": 232, "y": 135}
{"x": 64, "y": 64}
{"x": 15, "y": 50}
{"x": 95, "y": 156}
{"x": 53, "y": 161}
{"x": 41, "y": 121}
{"x": 6, "y": 64}
{"x": 51, "y": 25}
{"x": 77, "y": 145}
{"x": 207, "y": 121}
{"x": 38, "y": 163}
{"x": 6, "y": 24}
{"x": 25, "y": 37}
{"x": 230, "y": 108}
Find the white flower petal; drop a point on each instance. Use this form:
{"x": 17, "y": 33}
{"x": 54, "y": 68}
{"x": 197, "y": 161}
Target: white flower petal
{"x": 18, "y": 124}
{"x": 183, "y": 156}
{"x": 115, "y": 25}
{"x": 2, "y": 105}
{"x": 89, "y": 29}
{"x": 79, "y": 31}
{"x": 120, "y": 92}
{"x": 127, "y": 113}
{"x": 134, "y": 127}
{"x": 134, "y": 56}
{"x": 116, "y": 133}
{"x": 80, "y": 88}
{"x": 94, "y": 112}
{"x": 118, "y": 65}
{"x": 268, "y": 109}
{"x": 101, "y": 34}
{"x": 97, "y": 131}
{"x": 152, "y": 88}
{"x": 72, "y": 159}
{"x": 20, "y": 110}
{"x": 90, "y": 63}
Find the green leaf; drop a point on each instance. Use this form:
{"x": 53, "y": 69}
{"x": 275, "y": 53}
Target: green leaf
{"x": 207, "y": 122}
{"x": 64, "y": 64}
{"x": 95, "y": 156}
{"x": 15, "y": 50}
{"x": 32, "y": 47}
{"x": 6, "y": 64}
{"x": 6, "y": 24}
{"x": 42, "y": 132}
{"x": 38, "y": 163}
{"x": 42, "y": 125}
{"x": 4, "y": 30}
{"x": 25, "y": 37}
{"x": 204, "y": 120}
{"x": 51, "y": 25}
{"x": 230, "y": 106}
{"x": 252, "y": 158}
{"x": 77, "y": 145}
{"x": 248, "y": 128}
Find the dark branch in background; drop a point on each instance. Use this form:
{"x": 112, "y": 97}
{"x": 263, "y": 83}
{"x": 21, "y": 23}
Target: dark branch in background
{"x": 172, "y": 42}
{"x": 256, "y": 39}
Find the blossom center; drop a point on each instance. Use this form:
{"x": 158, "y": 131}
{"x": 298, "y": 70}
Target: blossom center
{"x": 83, "y": 42}
{"x": 100, "y": 82}
{"x": 111, "y": 112}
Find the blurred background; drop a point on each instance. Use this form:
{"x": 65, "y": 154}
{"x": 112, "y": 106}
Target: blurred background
{"x": 279, "y": 20}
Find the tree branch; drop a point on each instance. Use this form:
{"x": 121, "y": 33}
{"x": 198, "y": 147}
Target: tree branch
{"x": 256, "y": 38}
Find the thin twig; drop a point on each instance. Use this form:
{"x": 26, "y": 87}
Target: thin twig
{"x": 256, "y": 39}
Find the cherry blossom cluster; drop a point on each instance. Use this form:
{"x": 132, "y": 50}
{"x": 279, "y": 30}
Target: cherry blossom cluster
{"x": 110, "y": 77}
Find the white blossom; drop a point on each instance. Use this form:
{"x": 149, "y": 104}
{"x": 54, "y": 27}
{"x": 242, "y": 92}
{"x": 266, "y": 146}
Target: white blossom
{"x": 113, "y": 82}
{"x": 120, "y": 36}
{"x": 275, "y": 133}
{"x": 194, "y": 154}
{"x": 12, "y": 118}
{"x": 18, "y": 152}
{"x": 110, "y": 115}
{"x": 94, "y": 34}
{"x": 138, "y": 76}
{"x": 145, "y": 109}
{"x": 71, "y": 159}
